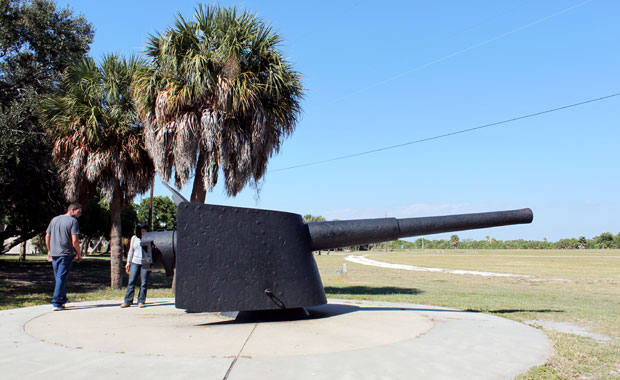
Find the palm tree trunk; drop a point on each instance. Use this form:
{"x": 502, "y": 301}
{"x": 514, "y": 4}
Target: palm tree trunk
{"x": 116, "y": 251}
{"x": 22, "y": 251}
{"x": 85, "y": 244}
{"x": 199, "y": 193}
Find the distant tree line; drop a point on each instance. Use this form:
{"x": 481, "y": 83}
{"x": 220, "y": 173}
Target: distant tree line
{"x": 95, "y": 220}
{"x": 605, "y": 240}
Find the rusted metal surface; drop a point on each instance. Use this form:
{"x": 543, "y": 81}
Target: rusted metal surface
{"x": 232, "y": 259}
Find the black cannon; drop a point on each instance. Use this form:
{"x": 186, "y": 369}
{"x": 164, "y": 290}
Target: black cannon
{"x": 242, "y": 259}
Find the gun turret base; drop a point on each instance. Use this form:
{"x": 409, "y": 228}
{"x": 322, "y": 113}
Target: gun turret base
{"x": 232, "y": 258}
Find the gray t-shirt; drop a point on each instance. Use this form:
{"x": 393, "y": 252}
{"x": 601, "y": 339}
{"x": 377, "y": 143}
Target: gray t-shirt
{"x": 60, "y": 230}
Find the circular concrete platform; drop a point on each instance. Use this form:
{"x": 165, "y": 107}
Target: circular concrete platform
{"x": 342, "y": 340}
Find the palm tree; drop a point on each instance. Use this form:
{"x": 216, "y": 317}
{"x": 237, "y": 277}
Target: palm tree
{"x": 97, "y": 139}
{"x": 219, "y": 95}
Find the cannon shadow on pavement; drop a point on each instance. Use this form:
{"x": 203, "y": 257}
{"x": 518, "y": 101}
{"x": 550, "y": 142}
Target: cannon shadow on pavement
{"x": 321, "y": 312}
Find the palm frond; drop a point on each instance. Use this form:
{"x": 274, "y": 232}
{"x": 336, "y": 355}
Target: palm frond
{"x": 221, "y": 73}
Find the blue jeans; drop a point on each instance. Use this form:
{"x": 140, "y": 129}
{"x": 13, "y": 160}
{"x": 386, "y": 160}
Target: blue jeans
{"x": 62, "y": 267}
{"x": 134, "y": 269}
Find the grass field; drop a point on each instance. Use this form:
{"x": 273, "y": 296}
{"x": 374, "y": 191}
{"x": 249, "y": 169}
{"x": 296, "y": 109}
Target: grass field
{"x": 579, "y": 287}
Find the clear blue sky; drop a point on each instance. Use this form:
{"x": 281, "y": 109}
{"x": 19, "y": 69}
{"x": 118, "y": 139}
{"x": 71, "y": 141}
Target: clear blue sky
{"x": 379, "y": 75}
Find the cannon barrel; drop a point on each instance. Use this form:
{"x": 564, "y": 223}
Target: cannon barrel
{"x": 325, "y": 235}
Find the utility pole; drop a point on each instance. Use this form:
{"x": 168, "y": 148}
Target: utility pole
{"x": 150, "y": 222}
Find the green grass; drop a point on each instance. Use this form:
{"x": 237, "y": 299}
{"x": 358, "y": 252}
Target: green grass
{"x": 580, "y": 286}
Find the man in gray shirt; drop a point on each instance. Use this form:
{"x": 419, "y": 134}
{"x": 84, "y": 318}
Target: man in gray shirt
{"x": 62, "y": 240}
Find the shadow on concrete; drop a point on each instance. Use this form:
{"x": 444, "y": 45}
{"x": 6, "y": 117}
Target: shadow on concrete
{"x": 100, "y": 306}
{"x": 332, "y": 310}
{"x": 96, "y": 306}
{"x": 510, "y": 311}
{"x": 315, "y": 312}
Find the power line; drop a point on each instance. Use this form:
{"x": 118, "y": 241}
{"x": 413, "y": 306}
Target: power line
{"x": 459, "y": 52}
{"x": 449, "y": 134}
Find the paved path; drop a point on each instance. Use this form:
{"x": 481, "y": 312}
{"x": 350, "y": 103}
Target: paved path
{"x": 342, "y": 340}
{"x": 363, "y": 260}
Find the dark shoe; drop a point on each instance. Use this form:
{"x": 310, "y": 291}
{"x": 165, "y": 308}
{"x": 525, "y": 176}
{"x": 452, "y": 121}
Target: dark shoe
{"x": 125, "y": 305}
{"x": 141, "y": 305}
